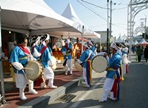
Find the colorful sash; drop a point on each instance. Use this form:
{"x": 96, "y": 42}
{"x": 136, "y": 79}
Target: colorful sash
{"x": 24, "y": 49}
{"x": 88, "y": 72}
{"x": 42, "y": 51}
{"x": 116, "y": 86}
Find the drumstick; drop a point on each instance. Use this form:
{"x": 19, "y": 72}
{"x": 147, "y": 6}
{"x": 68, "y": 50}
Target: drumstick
{"x": 28, "y": 68}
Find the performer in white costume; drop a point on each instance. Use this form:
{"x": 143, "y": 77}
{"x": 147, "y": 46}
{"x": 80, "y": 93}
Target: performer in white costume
{"x": 125, "y": 60}
{"x": 19, "y": 58}
{"x": 112, "y": 71}
{"x": 67, "y": 52}
{"x": 35, "y": 50}
{"x": 85, "y": 59}
{"x": 45, "y": 59}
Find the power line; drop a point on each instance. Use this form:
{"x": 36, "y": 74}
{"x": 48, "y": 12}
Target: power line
{"x": 98, "y": 14}
{"x": 93, "y": 4}
{"x": 92, "y": 11}
{"x": 103, "y": 7}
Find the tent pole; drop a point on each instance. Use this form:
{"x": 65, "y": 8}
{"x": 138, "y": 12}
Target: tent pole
{"x": 1, "y": 69}
{"x": 82, "y": 35}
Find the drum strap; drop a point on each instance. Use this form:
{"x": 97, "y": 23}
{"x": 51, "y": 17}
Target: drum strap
{"x": 32, "y": 48}
{"x": 42, "y": 51}
{"x": 89, "y": 56}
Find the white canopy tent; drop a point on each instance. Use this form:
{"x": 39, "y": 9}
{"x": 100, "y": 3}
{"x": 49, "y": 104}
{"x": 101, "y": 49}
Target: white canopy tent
{"x": 119, "y": 40}
{"x": 71, "y": 14}
{"x": 30, "y": 17}
{"x": 128, "y": 43}
{"x": 136, "y": 42}
{"x": 143, "y": 42}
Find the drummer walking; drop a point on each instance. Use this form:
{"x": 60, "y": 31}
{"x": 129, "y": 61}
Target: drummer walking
{"x": 84, "y": 59}
{"x": 67, "y": 52}
{"x": 35, "y": 47}
{"x": 112, "y": 72}
{"x": 19, "y": 58}
{"x": 45, "y": 58}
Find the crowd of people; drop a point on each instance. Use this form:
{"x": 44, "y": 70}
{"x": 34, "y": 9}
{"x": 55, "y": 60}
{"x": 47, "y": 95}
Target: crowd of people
{"x": 21, "y": 55}
{"x": 117, "y": 66}
{"x": 118, "y": 62}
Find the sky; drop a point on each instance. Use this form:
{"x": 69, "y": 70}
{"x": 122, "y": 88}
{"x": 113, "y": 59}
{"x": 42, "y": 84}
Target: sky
{"x": 93, "y": 14}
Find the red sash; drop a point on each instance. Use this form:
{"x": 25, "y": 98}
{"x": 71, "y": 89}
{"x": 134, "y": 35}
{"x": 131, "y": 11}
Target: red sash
{"x": 24, "y": 49}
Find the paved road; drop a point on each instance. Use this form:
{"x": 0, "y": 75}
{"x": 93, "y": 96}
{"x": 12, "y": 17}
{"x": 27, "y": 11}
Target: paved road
{"x": 134, "y": 92}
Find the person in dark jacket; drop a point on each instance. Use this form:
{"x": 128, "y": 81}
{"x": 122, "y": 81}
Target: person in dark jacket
{"x": 139, "y": 53}
{"x": 146, "y": 53}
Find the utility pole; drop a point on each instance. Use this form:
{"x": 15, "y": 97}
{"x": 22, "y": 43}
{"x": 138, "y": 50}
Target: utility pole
{"x": 144, "y": 26}
{"x": 110, "y": 18}
{"x": 107, "y": 26}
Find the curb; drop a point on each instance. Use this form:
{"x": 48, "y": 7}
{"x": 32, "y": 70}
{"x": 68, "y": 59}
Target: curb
{"x": 45, "y": 99}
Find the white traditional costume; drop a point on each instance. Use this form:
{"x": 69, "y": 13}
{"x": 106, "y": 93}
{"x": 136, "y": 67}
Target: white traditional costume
{"x": 45, "y": 59}
{"x": 19, "y": 58}
{"x": 67, "y": 56}
{"x": 112, "y": 70}
{"x": 85, "y": 59}
{"x": 125, "y": 60}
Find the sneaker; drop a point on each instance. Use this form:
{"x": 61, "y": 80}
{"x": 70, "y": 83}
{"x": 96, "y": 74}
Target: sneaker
{"x": 53, "y": 87}
{"x": 65, "y": 73}
{"x": 33, "y": 91}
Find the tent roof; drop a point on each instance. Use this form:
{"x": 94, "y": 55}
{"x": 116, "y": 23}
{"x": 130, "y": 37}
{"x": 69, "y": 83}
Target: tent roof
{"x": 71, "y": 14}
{"x": 32, "y": 15}
{"x": 143, "y": 42}
{"x": 119, "y": 40}
{"x": 136, "y": 42}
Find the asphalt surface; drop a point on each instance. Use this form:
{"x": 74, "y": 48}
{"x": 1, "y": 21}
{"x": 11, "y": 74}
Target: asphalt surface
{"x": 133, "y": 94}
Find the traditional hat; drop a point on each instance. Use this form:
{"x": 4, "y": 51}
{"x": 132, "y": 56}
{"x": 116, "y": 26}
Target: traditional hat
{"x": 113, "y": 45}
{"x": 35, "y": 40}
{"x": 125, "y": 49}
{"x": 45, "y": 37}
